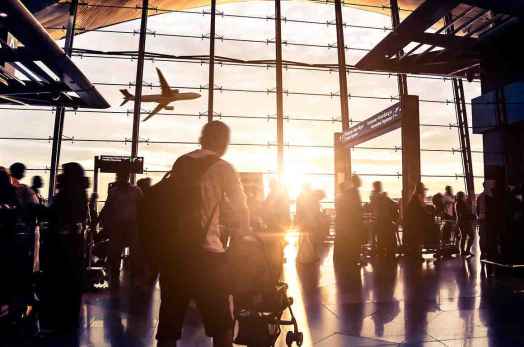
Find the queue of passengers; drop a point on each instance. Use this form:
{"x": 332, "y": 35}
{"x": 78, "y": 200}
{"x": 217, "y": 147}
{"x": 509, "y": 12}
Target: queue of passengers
{"x": 176, "y": 228}
{"x": 201, "y": 202}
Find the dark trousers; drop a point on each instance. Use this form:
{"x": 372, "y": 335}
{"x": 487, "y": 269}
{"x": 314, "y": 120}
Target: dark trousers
{"x": 488, "y": 241}
{"x": 203, "y": 278}
{"x": 466, "y": 235}
{"x": 63, "y": 267}
{"x": 119, "y": 240}
{"x": 386, "y": 238}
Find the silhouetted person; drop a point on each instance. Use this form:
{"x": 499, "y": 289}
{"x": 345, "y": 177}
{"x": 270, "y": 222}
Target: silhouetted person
{"x": 465, "y": 220}
{"x": 449, "y": 216}
{"x": 276, "y": 208}
{"x": 322, "y": 229}
{"x": 144, "y": 184}
{"x": 416, "y": 221}
{"x": 277, "y": 219}
{"x": 374, "y": 204}
{"x": 119, "y": 216}
{"x": 350, "y": 224}
{"x": 385, "y": 214}
{"x": 7, "y": 190}
{"x": 36, "y": 184}
{"x": 438, "y": 203}
{"x": 63, "y": 256}
{"x": 484, "y": 200}
{"x": 302, "y": 218}
{"x": 27, "y": 234}
{"x": 8, "y": 220}
{"x": 26, "y": 196}
{"x": 195, "y": 266}
{"x": 308, "y": 223}
{"x": 496, "y": 210}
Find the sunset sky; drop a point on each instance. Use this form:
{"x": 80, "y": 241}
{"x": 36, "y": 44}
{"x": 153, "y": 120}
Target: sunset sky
{"x": 300, "y": 162}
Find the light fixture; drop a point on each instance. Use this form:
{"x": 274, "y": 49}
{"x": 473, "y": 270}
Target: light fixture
{"x": 3, "y": 15}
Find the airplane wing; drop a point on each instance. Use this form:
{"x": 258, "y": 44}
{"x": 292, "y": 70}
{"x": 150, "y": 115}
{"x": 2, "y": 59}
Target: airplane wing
{"x": 155, "y": 111}
{"x": 166, "y": 89}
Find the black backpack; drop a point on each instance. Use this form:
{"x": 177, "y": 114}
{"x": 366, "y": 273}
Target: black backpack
{"x": 169, "y": 215}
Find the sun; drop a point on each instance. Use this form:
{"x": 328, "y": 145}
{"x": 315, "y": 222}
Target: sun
{"x": 294, "y": 178}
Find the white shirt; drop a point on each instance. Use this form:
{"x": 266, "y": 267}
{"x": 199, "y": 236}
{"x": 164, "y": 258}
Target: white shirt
{"x": 221, "y": 187}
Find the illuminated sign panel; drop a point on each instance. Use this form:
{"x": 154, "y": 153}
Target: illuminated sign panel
{"x": 377, "y": 125}
{"x": 114, "y": 163}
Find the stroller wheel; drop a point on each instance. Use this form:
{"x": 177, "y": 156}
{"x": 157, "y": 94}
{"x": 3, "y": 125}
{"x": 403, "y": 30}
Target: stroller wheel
{"x": 297, "y": 337}
{"x": 290, "y": 338}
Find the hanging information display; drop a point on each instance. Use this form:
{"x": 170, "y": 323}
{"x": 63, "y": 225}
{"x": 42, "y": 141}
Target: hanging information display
{"x": 377, "y": 125}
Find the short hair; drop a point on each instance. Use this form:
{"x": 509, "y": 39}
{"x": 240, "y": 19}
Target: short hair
{"x": 17, "y": 170}
{"x": 123, "y": 175}
{"x": 215, "y": 134}
{"x": 37, "y": 181}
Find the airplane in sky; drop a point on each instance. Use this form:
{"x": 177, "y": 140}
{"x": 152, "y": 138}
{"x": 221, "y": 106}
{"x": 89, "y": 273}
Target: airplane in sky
{"x": 163, "y": 100}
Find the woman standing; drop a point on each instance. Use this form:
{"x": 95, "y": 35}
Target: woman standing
{"x": 465, "y": 223}
{"x": 417, "y": 219}
{"x": 8, "y": 210}
{"x": 64, "y": 254}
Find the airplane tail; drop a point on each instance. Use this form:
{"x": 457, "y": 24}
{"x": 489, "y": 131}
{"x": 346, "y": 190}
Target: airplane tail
{"x": 127, "y": 96}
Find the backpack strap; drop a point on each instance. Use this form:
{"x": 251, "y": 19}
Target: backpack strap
{"x": 204, "y": 162}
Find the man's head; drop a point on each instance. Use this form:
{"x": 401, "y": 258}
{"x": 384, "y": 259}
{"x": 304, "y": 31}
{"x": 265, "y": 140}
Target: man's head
{"x": 17, "y": 170}
{"x": 144, "y": 183}
{"x": 37, "y": 182}
{"x": 449, "y": 190}
{"x": 377, "y": 187}
{"x": 420, "y": 191}
{"x": 355, "y": 181}
{"x": 122, "y": 176}
{"x": 215, "y": 137}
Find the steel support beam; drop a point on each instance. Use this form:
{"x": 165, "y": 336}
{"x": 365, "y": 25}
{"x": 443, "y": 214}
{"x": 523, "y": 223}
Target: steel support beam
{"x": 395, "y": 21}
{"x": 279, "y": 89}
{"x": 138, "y": 83}
{"x": 463, "y": 132}
{"x": 58, "y": 130}
{"x": 462, "y": 123}
{"x": 410, "y": 134}
{"x": 342, "y": 79}
{"x": 211, "y": 82}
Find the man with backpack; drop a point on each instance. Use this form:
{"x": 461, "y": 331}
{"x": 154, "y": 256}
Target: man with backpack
{"x": 188, "y": 206}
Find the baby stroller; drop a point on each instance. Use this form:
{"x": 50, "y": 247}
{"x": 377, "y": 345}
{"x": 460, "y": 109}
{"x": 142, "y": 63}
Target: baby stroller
{"x": 260, "y": 299}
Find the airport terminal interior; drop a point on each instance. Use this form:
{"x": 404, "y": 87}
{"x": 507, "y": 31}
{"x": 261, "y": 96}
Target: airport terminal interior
{"x": 388, "y": 303}
{"x": 366, "y": 156}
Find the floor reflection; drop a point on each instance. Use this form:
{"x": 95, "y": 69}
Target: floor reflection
{"x": 385, "y": 302}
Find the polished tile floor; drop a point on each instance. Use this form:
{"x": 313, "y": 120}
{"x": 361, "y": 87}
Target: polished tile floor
{"x": 385, "y": 303}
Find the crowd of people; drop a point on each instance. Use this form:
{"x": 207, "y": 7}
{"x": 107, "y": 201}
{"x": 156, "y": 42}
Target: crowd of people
{"x": 181, "y": 229}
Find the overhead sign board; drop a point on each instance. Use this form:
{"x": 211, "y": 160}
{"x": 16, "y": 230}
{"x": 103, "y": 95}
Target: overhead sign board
{"x": 116, "y": 163}
{"x": 377, "y": 125}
